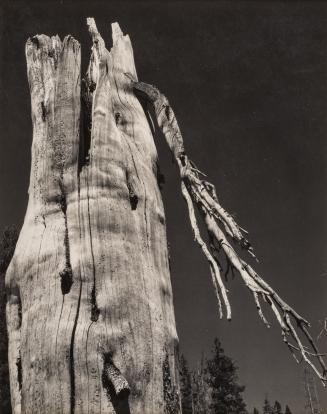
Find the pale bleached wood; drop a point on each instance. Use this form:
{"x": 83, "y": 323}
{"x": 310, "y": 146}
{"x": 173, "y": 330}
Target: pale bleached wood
{"x": 41, "y": 339}
{"x": 90, "y": 311}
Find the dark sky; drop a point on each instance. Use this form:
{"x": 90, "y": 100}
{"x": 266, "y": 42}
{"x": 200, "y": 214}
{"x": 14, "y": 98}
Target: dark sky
{"x": 248, "y": 83}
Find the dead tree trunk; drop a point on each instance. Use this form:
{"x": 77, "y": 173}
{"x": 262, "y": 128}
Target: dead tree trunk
{"x": 90, "y": 313}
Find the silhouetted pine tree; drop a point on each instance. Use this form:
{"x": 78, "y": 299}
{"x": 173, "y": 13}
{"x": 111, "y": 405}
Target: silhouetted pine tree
{"x": 267, "y": 408}
{"x": 7, "y": 247}
{"x": 277, "y": 408}
{"x": 287, "y": 410}
{"x": 185, "y": 386}
{"x": 221, "y": 377}
{"x": 200, "y": 390}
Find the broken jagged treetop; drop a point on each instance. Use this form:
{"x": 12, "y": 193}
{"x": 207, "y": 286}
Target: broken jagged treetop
{"x": 100, "y": 54}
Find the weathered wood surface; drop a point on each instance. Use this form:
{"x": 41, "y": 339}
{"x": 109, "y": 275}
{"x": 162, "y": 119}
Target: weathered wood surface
{"x": 90, "y": 312}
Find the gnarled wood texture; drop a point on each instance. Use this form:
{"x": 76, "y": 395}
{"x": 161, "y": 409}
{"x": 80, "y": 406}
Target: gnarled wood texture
{"x": 90, "y": 313}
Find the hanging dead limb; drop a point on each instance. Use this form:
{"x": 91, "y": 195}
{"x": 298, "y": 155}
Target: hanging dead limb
{"x": 198, "y": 191}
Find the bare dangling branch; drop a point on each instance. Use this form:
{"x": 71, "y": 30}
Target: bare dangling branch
{"x": 199, "y": 192}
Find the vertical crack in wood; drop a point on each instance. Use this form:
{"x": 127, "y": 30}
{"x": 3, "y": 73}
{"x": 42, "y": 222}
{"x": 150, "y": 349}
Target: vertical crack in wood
{"x": 19, "y": 307}
{"x": 146, "y": 220}
{"x": 71, "y": 355}
{"x": 94, "y": 307}
{"x": 72, "y": 341}
{"x": 56, "y": 341}
{"x": 44, "y": 111}
{"x": 19, "y": 359}
{"x": 19, "y": 371}
{"x": 87, "y": 89}
{"x": 133, "y": 198}
{"x": 66, "y": 275}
